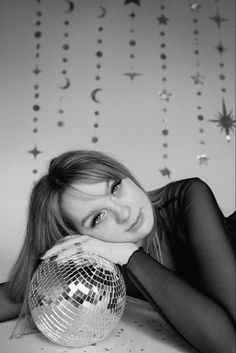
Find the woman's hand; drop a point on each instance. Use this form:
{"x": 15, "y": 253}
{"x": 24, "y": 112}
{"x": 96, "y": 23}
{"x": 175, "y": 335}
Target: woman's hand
{"x": 118, "y": 253}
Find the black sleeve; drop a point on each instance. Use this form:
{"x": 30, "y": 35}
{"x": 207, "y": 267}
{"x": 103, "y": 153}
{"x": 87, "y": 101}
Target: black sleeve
{"x": 8, "y": 308}
{"x": 203, "y": 317}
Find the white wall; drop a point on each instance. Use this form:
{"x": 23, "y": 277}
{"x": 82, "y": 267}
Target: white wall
{"x": 131, "y": 116}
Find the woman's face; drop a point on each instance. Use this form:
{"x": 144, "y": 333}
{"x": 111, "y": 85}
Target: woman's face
{"x": 114, "y": 211}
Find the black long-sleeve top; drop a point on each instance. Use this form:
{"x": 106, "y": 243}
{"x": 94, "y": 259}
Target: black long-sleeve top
{"x": 194, "y": 288}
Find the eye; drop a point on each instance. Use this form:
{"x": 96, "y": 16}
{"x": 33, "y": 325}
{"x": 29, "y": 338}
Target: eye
{"x": 97, "y": 219}
{"x": 115, "y": 187}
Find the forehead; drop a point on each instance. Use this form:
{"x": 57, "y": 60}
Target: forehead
{"x": 86, "y": 190}
{"x": 82, "y": 194}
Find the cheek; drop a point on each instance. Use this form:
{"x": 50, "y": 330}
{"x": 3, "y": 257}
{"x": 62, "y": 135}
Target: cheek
{"x": 104, "y": 232}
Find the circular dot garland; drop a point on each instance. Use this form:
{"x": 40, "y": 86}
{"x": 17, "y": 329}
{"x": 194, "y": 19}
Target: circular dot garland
{"x": 95, "y": 94}
{"x": 65, "y": 47}
{"x": 164, "y": 94}
{"x": 132, "y": 74}
{"x": 36, "y": 108}
{"x": 198, "y": 81}
{"x": 225, "y": 119}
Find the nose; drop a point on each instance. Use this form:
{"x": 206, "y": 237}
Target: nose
{"x": 122, "y": 212}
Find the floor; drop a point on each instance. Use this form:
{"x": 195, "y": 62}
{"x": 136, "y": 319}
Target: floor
{"x": 141, "y": 330}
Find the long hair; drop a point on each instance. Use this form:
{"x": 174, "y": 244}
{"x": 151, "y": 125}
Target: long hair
{"x": 46, "y": 223}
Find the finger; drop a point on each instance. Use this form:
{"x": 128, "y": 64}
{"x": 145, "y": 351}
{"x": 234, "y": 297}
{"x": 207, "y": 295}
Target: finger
{"x": 76, "y": 249}
{"x": 56, "y": 249}
{"x": 67, "y": 237}
{"x": 73, "y": 249}
{"x": 83, "y": 238}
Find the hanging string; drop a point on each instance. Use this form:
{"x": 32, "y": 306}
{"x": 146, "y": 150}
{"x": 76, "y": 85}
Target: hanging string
{"x": 37, "y": 71}
{"x": 164, "y": 94}
{"x": 131, "y": 73}
{"x": 224, "y": 118}
{"x": 198, "y": 81}
{"x": 99, "y": 54}
{"x": 64, "y": 74}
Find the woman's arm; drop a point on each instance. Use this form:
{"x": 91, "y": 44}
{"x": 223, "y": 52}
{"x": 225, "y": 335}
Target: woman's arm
{"x": 208, "y": 243}
{"x": 205, "y": 317}
{"x": 196, "y": 317}
{"x": 8, "y": 308}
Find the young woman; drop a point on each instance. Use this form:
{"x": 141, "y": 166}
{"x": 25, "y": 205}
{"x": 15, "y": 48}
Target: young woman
{"x": 172, "y": 243}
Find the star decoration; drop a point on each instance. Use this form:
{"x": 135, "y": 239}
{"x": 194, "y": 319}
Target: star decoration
{"x": 165, "y": 172}
{"x": 225, "y": 121}
{"x": 132, "y": 75}
{"x": 195, "y": 6}
{"x": 198, "y": 79}
{"x": 162, "y": 20}
{"x": 164, "y": 95}
{"x": 220, "y": 48}
{"x": 35, "y": 152}
{"x": 136, "y": 2}
{"x": 36, "y": 71}
{"x": 218, "y": 19}
{"x": 203, "y": 159}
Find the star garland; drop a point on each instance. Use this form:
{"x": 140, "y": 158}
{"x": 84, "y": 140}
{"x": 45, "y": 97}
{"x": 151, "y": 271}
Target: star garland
{"x": 102, "y": 13}
{"x": 225, "y": 119}
{"x": 198, "y": 80}
{"x": 65, "y": 79}
{"x": 36, "y": 87}
{"x": 132, "y": 74}
{"x": 164, "y": 94}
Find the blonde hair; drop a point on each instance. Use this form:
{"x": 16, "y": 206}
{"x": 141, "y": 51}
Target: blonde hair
{"x": 46, "y": 222}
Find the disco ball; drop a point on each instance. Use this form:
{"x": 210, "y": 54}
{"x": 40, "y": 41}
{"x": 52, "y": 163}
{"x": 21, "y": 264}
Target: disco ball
{"x": 77, "y": 301}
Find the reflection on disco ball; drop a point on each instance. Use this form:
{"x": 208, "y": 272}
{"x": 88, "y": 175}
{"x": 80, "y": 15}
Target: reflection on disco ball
{"x": 77, "y": 301}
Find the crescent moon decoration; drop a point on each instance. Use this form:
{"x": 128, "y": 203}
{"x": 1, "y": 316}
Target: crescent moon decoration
{"x": 164, "y": 94}
{"x": 94, "y": 95}
{"x": 198, "y": 80}
{"x": 103, "y": 13}
{"x": 71, "y": 6}
{"x": 67, "y": 84}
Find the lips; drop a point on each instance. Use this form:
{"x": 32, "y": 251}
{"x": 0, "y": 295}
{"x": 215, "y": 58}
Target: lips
{"x": 137, "y": 223}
